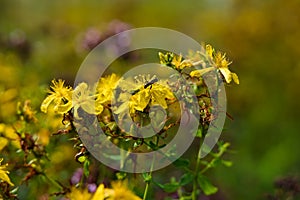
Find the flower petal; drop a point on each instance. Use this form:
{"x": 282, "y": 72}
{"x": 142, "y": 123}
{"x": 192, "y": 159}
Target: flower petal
{"x": 5, "y": 177}
{"x": 158, "y": 97}
{"x": 209, "y": 50}
{"x": 99, "y": 194}
{"x": 3, "y": 173}
{"x": 89, "y": 106}
{"x": 3, "y": 143}
{"x": 45, "y": 104}
{"x": 201, "y": 72}
{"x": 61, "y": 109}
{"x": 226, "y": 74}
{"x": 235, "y": 78}
{"x": 122, "y": 108}
{"x": 141, "y": 99}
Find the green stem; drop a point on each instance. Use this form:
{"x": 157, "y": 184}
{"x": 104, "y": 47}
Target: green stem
{"x": 146, "y": 190}
{"x": 122, "y": 152}
{"x": 150, "y": 173}
{"x": 197, "y": 169}
{"x": 148, "y": 182}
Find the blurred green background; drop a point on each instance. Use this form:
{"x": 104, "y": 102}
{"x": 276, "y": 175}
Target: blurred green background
{"x": 41, "y": 40}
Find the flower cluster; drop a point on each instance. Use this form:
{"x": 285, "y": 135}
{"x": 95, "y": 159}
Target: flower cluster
{"x": 116, "y": 101}
{"x": 142, "y": 92}
{"x": 137, "y": 95}
{"x": 90, "y": 99}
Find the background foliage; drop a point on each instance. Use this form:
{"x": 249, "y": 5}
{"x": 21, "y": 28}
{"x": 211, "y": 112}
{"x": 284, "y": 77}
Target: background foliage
{"x": 40, "y": 41}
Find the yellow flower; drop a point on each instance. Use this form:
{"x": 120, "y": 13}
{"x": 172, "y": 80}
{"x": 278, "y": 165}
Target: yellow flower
{"x": 140, "y": 100}
{"x": 100, "y": 193}
{"x": 222, "y": 64}
{"x": 166, "y": 59}
{"x": 141, "y": 94}
{"x": 174, "y": 61}
{"x": 120, "y": 191}
{"x": 105, "y": 88}
{"x": 7, "y": 101}
{"x": 3, "y": 143}
{"x": 79, "y": 194}
{"x": 179, "y": 63}
{"x": 26, "y": 111}
{"x": 209, "y": 50}
{"x": 4, "y": 174}
{"x": 159, "y": 94}
{"x": 10, "y": 135}
{"x": 83, "y": 194}
{"x": 83, "y": 98}
{"x": 61, "y": 96}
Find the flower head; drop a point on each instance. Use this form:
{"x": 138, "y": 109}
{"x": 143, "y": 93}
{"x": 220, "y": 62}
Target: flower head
{"x": 105, "y": 88}
{"x": 60, "y": 95}
{"x": 80, "y": 194}
{"x": 4, "y": 173}
{"x": 174, "y": 61}
{"x": 222, "y": 64}
{"x": 118, "y": 191}
{"x": 219, "y": 62}
{"x": 143, "y": 92}
{"x": 26, "y": 111}
{"x": 84, "y": 98}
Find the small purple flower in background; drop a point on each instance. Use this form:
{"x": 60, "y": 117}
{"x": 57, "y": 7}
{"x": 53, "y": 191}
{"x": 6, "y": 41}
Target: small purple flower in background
{"x": 93, "y": 36}
{"x": 92, "y": 187}
{"x": 117, "y": 26}
{"x": 17, "y": 41}
{"x": 75, "y": 179}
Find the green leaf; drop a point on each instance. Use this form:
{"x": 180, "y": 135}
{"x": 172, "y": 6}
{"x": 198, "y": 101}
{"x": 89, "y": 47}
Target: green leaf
{"x": 181, "y": 162}
{"x": 153, "y": 146}
{"x": 15, "y": 190}
{"x": 204, "y": 162}
{"x": 223, "y": 147}
{"x": 215, "y": 162}
{"x": 169, "y": 187}
{"x": 227, "y": 163}
{"x": 82, "y": 158}
{"x": 112, "y": 125}
{"x": 205, "y": 185}
{"x": 199, "y": 132}
{"x": 186, "y": 179}
{"x": 102, "y": 125}
{"x": 86, "y": 166}
{"x": 137, "y": 143}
